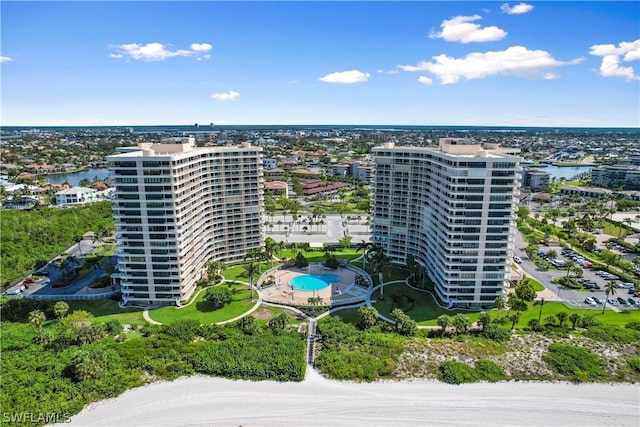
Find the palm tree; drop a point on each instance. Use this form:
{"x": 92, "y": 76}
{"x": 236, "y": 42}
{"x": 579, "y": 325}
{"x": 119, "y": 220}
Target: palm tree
{"x": 37, "y": 318}
{"x": 364, "y": 247}
{"x": 532, "y": 249}
{"x": 512, "y": 301}
{"x": 443, "y": 321}
{"x": 628, "y": 221}
{"x": 60, "y": 309}
{"x": 102, "y": 235}
{"x": 270, "y": 247}
{"x": 379, "y": 261}
{"x": 255, "y": 254}
{"x": 515, "y": 317}
{"x": 552, "y": 254}
{"x": 609, "y": 289}
{"x": 574, "y": 318}
{"x": 410, "y": 262}
{"x": 609, "y": 257}
{"x": 250, "y": 270}
{"x": 540, "y": 302}
{"x": 501, "y": 302}
{"x": 562, "y": 317}
{"x": 570, "y": 266}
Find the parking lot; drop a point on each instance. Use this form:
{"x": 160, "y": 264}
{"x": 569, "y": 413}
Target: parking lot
{"x": 592, "y": 294}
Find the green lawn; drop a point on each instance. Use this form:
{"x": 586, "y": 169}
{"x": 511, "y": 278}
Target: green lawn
{"x": 421, "y": 308}
{"x": 107, "y": 309}
{"x": 610, "y": 317}
{"x": 612, "y": 229}
{"x": 204, "y": 311}
{"x": 235, "y": 273}
{"x": 419, "y": 305}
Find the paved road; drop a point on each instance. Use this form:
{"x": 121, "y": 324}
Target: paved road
{"x": 204, "y": 401}
{"x": 78, "y": 250}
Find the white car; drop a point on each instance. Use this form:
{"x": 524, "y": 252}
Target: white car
{"x": 590, "y": 301}
{"x": 517, "y": 259}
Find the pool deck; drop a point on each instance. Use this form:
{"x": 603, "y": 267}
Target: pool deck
{"x": 340, "y": 292}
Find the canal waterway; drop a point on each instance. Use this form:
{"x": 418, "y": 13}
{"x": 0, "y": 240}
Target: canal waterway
{"x": 75, "y": 177}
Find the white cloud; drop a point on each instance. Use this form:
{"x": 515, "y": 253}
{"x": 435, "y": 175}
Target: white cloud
{"x": 425, "y": 80}
{"x": 5, "y": 59}
{"x": 515, "y": 61}
{"x": 463, "y": 29}
{"x": 346, "y": 77}
{"x": 518, "y": 9}
{"x": 610, "y": 65}
{"x": 200, "y": 47}
{"x": 225, "y": 96}
{"x": 157, "y": 51}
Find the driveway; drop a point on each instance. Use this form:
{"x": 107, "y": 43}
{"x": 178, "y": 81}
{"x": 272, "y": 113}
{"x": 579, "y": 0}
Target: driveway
{"x": 78, "y": 250}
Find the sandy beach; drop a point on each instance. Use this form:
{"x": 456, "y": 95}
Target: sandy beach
{"x": 206, "y": 401}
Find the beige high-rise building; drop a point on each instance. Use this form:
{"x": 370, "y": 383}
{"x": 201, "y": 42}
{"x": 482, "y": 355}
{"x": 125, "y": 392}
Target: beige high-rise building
{"x": 177, "y": 206}
{"x": 453, "y": 208}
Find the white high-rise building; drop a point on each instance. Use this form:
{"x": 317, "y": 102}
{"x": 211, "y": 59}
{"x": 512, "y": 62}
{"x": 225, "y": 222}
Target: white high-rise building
{"x": 177, "y": 206}
{"x": 453, "y": 208}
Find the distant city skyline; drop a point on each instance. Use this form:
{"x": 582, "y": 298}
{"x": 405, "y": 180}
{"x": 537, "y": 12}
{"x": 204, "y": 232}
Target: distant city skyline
{"x": 555, "y": 64}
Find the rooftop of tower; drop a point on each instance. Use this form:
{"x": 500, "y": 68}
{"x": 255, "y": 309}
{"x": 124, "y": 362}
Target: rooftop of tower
{"x": 175, "y": 145}
{"x": 461, "y": 147}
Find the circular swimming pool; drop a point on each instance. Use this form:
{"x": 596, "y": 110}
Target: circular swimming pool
{"x": 310, "y": 282}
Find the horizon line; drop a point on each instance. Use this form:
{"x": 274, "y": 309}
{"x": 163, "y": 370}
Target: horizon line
{"x": 213, "y": 125}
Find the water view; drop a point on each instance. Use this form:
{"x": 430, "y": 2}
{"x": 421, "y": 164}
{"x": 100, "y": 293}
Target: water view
{"x": 75, "y": 177}
{"x": 566, "y": 172}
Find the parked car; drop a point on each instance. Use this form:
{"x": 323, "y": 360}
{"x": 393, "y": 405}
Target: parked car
{"x": 598, "y": 300}
{"x": 622, "y": 301}
{"x": 632, "y": 301}
{"x": 589, "y": 301}
{"x": 613, "y": 302}
{"x": 517, "y": 259}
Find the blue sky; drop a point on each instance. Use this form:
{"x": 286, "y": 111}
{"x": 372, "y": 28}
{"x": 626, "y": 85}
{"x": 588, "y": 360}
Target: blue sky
{"x": 413, "y": 63}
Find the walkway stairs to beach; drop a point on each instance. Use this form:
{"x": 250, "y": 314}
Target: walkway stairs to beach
{"x": 311, "y": 339}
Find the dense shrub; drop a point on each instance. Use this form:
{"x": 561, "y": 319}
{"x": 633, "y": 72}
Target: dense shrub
{"x": 301, "y": 261}
{"x": 354, "y": 365}
{"x": 496, "y": 333}
{"x": 634, "y": 364}
{"x": 350, "y": 354}
{"x": 17, "y": 310}
{"x": 613, "y": 334}
{"x": 255, "y": 357}
{"x": 454, "y": 372}
{"x": 574, "y": 362}
{"x": 184, "y": 330}
{"x": 32, "y": 238}
{"x": 633, "y": 325}
{"x": 219, "y": 296}
{"x": 490, "y": 371}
